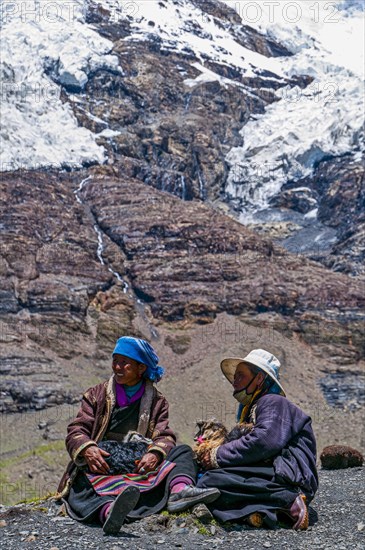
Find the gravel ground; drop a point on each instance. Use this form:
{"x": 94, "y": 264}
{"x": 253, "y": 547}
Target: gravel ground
{"x": 337, "y": 521}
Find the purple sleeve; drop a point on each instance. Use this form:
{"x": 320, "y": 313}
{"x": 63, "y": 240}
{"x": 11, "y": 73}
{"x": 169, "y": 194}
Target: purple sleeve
{"x": 277, "y": 421}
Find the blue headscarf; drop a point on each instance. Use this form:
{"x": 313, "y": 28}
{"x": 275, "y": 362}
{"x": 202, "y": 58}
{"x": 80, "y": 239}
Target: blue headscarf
{"x": 143, "y": 352}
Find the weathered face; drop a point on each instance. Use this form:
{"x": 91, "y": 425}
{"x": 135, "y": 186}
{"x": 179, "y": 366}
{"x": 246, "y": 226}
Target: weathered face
{"x": 127, "y": 371}
{"x": 244, "y": 378}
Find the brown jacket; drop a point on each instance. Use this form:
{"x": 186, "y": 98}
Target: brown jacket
{"x": 92, "y": 420}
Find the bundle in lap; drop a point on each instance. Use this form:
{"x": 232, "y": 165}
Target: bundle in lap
{"x": 211, "y": 434}
{"x": 124, "y": 456}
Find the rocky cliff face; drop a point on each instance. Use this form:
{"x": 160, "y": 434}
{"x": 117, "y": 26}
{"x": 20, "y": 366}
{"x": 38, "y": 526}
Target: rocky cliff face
{"x": 171, "y": 119}
{"x": 193, "y": 261}
{"x": 79, "y": 260}
{"x": 51, "y": 277}
{"x": 337, "y": 191}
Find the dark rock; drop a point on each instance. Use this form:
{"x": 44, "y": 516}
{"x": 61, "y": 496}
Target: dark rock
{"x": 344, "y": 389}
{"x": 348, "y": 254}
{"x": 229, "y": 18}
{"x": 8, "y": 300}
{"x": 299, "y": 199}
{"x": 14, "y": 365}
{"x": 19, "y": 396}
{"x": 112, "y": 25}
{"x": 338, "y": 186}
{"x": 170, "y": 130}
{"x": 335, "y": 457}
{"x": 203, "y": 514}
{"x": 179, "y": 343}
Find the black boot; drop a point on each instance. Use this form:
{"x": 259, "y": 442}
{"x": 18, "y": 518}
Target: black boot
{"x": 123, "y": 504}
{"x": 178, "y": 502}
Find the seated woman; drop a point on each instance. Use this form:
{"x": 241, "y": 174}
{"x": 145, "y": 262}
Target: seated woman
{"x": 270, "y": 473}
{"x": 129, "y": 401}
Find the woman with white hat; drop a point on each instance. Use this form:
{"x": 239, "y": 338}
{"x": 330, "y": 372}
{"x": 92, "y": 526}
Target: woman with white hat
{"x": 269, "y": 475}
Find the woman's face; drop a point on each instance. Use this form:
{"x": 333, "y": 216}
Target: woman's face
{"x": 244, "y": 378}
{"x": 127, "y": 371}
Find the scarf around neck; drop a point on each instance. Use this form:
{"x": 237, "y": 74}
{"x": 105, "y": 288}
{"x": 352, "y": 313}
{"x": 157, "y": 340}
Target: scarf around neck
{"x": 244, "y": 411}
{"x": 127, "y": 397}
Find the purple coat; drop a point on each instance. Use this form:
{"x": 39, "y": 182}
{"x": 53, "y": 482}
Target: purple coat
{"x": 282, "y": 432}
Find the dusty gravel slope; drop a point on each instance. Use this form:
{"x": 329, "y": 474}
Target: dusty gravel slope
{"x": 337, "y": 521}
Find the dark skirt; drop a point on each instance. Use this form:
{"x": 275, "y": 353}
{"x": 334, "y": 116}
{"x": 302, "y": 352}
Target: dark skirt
{"x": 248, "y": 489}
{"x": 84, "y": 504}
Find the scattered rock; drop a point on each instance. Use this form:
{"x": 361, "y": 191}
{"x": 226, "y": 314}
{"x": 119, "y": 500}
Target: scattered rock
{"x": 334, "y": 520}
{"x": 202, "y": 513}
{"x": 179, "y": 343}
{"x": 274, "y": 230}
{"x": 335, "y": 457}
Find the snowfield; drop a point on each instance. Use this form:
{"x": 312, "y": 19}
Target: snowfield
{"x": 38, "y": 39}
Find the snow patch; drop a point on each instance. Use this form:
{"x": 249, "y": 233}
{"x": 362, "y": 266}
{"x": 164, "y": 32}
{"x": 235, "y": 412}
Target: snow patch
{"x": 206, "y": 75}
{"x": 108, "y": 133}
{"x": 181, "y": 26}
{"x": 312, "y": 214}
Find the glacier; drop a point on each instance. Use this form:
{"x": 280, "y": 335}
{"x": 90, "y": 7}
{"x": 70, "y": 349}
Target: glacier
{"x": 46, "y": 45}
{"x": 306, "y": 125}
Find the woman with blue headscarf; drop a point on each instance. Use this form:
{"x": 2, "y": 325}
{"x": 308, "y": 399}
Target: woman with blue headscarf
{"x": 127, "y": 402}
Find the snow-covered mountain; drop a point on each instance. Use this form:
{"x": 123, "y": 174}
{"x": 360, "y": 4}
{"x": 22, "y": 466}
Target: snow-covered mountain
{"x": 234, "y": 101}
{"x": 45, "y": 47}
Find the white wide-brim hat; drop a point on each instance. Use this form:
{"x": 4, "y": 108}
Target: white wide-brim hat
{"x": 260, "y": 358}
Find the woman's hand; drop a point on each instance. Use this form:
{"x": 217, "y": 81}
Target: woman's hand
{"x": 148, "y": 462}
{"x": 94, "y": 458}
